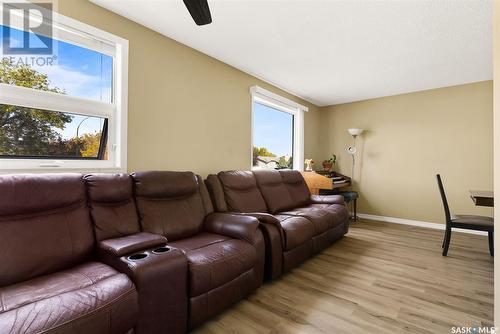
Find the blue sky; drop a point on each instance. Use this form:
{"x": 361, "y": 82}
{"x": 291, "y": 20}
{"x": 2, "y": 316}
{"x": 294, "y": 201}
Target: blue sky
{"x": 80, "y": 72}
{"x": 272, "y": 129}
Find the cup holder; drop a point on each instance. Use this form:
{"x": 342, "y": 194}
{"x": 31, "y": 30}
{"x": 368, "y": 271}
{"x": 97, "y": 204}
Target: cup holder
{"x": 138, "y": 256}
{"x": 161, "y": 250}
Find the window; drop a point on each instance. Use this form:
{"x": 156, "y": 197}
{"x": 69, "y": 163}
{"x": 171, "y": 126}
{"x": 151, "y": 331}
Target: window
{"x": 37, "y": 133}
{"x": 277, "y": 131}
{"x": 67, "y": 108}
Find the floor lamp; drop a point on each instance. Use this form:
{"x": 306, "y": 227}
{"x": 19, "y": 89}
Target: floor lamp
{"x": 352, "y": 149}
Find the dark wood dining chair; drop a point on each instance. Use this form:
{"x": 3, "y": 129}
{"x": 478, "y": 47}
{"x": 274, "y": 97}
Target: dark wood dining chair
{"x": 469, "y": 222}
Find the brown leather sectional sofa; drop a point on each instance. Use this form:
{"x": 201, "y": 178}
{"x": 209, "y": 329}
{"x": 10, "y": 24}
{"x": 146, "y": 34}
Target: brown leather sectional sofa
{"x": 295, "y": 224}
{"x": 146, "y": 253}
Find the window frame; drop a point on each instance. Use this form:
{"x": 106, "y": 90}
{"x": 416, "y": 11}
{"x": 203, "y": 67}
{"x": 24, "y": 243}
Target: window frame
{"x": 278, "y": 102}
{"x": 115, "y": 111}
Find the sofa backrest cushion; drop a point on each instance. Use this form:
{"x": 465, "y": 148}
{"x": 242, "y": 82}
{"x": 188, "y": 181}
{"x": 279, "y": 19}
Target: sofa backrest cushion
{"x": 112, "y": 205}
{"x": 216, "y": 192}
{"x": 241, "y": 192}
{"x": 296, "y": 186}
{"x": 44, "y": 225}
{"x": 273, "y": 190}
{"x": 172, "y": 204}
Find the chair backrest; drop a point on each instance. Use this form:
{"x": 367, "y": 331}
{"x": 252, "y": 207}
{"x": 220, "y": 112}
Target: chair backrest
{"x": 45, "y": 225}
{"x": 241, "y": 192}
{"x": 216, "y": 192}
{"x": 273, "y": 190}
{"x": 112, "y": 205}
{"x": 172, "y": 204}
{"x": 443, "y": 198}
{"x": 297, "y": 187}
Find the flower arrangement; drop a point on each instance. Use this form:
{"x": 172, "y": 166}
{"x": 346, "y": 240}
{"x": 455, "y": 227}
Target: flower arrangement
{"x": 309, "y": 163}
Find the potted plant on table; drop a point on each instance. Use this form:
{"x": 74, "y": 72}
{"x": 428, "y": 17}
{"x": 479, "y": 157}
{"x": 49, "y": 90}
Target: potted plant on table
{"x": 328, "y": 164}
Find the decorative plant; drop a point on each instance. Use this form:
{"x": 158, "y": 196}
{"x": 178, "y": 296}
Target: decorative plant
{"x": 332, "y": 160}
{"x": 328, "y": 164}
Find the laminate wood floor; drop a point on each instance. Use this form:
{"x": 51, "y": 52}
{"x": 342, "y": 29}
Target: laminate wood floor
{"x": 380, "y": 278}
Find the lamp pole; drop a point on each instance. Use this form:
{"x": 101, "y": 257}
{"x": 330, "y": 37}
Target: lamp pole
{"x": 353, "y": 154}
{"x": 352, "y": 149}
{"x": 79, "y": 124}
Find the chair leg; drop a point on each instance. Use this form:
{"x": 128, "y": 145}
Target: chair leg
{"x": 490, "y": 242}
{"x": 355, "y": 213}
{"x": 447, "y": 238}
{"x": 444, "y": 237}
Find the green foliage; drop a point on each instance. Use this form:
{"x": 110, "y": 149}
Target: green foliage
{"x": 90, "y": 144}
{"x": 262, "y": 152}
{"x": 30, "y": 131}
{"x": 26, "y": 131}
{"x": 333, "y": 159}
{"x": 25, "y": 76}
{"x": 283, "y": 162}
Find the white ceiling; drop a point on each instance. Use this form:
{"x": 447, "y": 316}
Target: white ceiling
{"x": 331, "y": 52}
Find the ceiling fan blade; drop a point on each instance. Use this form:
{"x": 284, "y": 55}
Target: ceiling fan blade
{"x": 199, "y": 10}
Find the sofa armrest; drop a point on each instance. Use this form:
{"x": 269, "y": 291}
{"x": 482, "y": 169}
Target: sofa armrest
{"x": 263, "y": 217}
{"x": 131, "y": 243}
{"x": 327, "y": 199}
{"x": 235, "y": 226}
{"x": 159, "y": 273}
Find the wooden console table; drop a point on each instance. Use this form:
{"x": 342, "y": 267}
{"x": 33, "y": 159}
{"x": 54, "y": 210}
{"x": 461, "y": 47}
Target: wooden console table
{"x": 316, "y": 181}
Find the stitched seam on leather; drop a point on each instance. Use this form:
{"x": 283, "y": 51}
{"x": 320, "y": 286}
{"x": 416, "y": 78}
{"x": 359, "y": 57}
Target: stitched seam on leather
{"x": 40, "y": 299}
{"x": 125, "y": 294}
{"x": 41, "y": 213}
{"x": 68, "y": 291}
{"x": 90, "y": 279}
{"x": 165, "y": 198}
{"x": 228, "y": 282}
{"x": 205, "y": 245}
{"x": 111, "y": 203}
{"x": 225, "y": 258}
{"x": 70, "y": 236}
{"x": 246, "y": 190}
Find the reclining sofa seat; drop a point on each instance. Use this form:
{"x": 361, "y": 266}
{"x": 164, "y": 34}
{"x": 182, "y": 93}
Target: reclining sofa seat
{"x": 159, "y": 272}
{"x": 314, "y": 206}
{"x": 295, "y": 224}
{"x": 225, "y": 253}
{"x": 328, "y": 219}
{"x": 49, "y": 279}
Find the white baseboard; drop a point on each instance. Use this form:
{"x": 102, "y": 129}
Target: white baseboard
{"x": 416, "y": 223}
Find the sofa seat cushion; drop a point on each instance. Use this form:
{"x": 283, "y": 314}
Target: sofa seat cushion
{"x": 88, "y": 298}
{"x": 199, "y": 240}
{"x": 321, "y": 218}
{"x": 339, "y": 212}
{"x": 315, "y": 206}
{"x": 215, "y": 260}
{"x": 298, "y": 230}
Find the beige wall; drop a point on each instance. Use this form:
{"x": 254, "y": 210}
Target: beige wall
{"x": 408, "y": 139}
{"x": 187, "y": 111}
